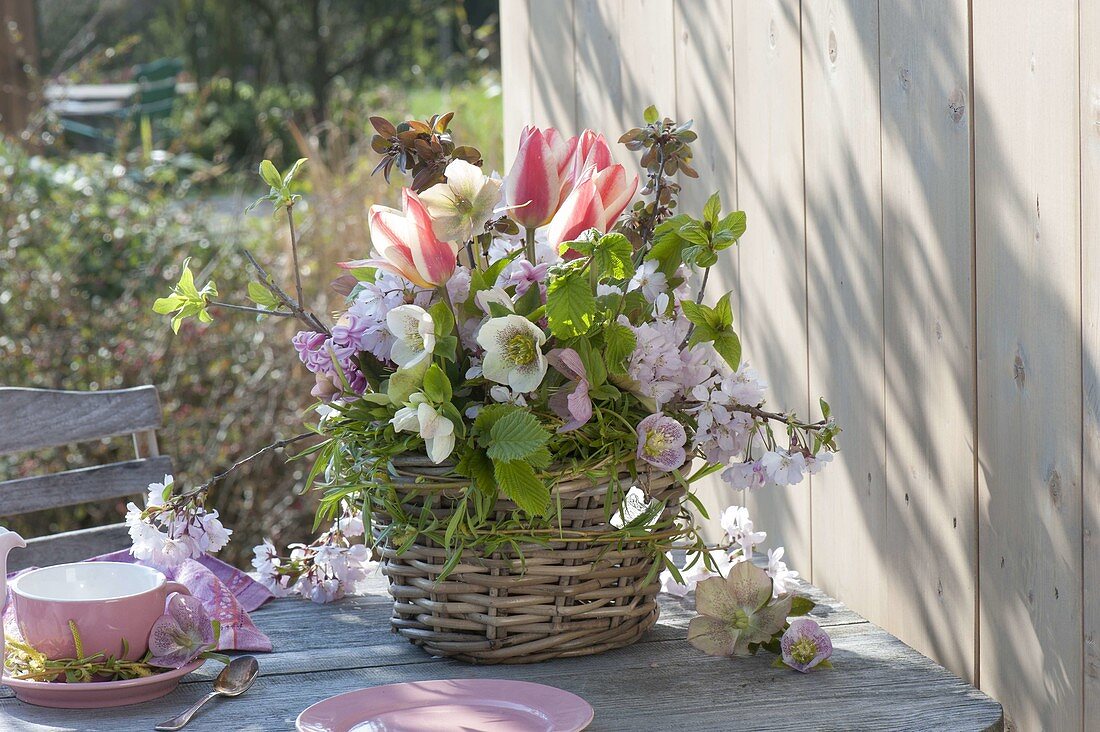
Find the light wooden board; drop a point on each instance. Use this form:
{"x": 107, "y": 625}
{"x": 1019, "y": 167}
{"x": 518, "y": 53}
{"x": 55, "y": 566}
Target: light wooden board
{"x": 705, "y": 94}
{"x": 1090, "y": 358}
{"x": 1026, "y": 179}
{"x": 931, "y": 552}
{"x": 82, "y": 485}
{"x": 515, "y": 73}
{"x": 597, "y": 65}
{"x": 659, "y": 683}
{"x": 845, "y": 291}
{"x": 553, "y": 101}
{"x": 70, "y": 546}
{"x": 35, "y": 418}
{"x": 770, "y": 189}
{"x": 647, "y": 69}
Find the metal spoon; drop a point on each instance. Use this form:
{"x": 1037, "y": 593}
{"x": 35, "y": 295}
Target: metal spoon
{"x": 234, "y": 680}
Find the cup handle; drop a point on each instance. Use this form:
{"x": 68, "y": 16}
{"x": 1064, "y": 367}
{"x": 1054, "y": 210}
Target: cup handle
{"x": 173, "y": 586}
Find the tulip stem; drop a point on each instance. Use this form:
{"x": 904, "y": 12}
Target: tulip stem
{"x": 530, "y": 249}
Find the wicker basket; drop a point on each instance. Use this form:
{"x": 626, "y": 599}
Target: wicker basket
{"x": 568, "y": 599}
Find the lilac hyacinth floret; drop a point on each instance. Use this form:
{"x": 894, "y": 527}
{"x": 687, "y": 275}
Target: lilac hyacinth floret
{"x": 805, "y": 645}
{"x": 661, "y": 442}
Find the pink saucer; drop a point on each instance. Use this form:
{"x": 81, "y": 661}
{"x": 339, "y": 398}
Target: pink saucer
{"x": 99, "y": 694}
{"x": 487, "y": 705}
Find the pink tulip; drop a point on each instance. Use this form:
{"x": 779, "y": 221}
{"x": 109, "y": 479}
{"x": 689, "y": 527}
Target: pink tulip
{"x": 590, "y": 151}
{"x": 533, "y": 188}
{"x": 407, "y": 244}
{"x": 595, "y": 203}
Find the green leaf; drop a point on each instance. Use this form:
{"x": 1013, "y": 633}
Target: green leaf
{"x": 570, "y": 305}
{"x": 724, "y": 312}
{"x": 694, "y": 232}
{"x": 650, "y": 115}
{"x": 516, "y": 436}
{"x": 476, "y": 465}
{"x": 735, "y": 223}
{"x": 262, "y": 296}
{"x": 293, "y": 171}
{"x": 696, "y": 313}
{"x": 801, "y": 606}
{"x": 443, "y": 318}
{"x": 165, "y": 305}
{"x": 712, "y": 208}
{"x": 488, "y": 417}
{"x": 619, "y": 342}
{"x": 825, "y": 410}
{"x": 437, "y": 387}
{"x": 270, "y": 174}
{"x": 405, "y": 381}
{"x": 518, "y": 481}
{"x": 612, "y": 257}
{"x": 728, "y": 346}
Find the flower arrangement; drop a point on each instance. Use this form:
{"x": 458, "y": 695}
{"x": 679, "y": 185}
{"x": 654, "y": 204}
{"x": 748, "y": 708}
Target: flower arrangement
{"x": 517, "y": 333}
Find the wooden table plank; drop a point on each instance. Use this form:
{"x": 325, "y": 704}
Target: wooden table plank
{"x": 658, "y": 683}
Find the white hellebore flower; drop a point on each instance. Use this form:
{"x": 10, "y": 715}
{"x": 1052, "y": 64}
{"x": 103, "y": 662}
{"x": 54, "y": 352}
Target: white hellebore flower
{"x": 420, "y": 416}
{"x": 414, "y": 330}
{"x": 513, "y": 352}
{"x": 460, "y": 207}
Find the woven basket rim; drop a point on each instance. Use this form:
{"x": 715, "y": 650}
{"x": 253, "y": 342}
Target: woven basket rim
{"x": 428, "y": 476}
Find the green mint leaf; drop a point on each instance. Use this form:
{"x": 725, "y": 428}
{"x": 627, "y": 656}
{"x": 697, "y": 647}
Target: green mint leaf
{"x": 728, "y": 346}
{"x": 516, "y": 436}
{"x": 476, "y": 465}
{"x": 735, "y": 223}
{"x": 518, "y": 481}
{"x": 650, "y": 115}
{"x": 570, "y": 305}
{"x": 712, "y": 208}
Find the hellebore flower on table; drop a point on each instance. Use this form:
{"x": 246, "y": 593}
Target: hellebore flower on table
{"x": 460, "y": 207}
{"x": 414, "y": 330}
{"x": 407, "y": 244}
{"x": 805, "y": 645}
{"x": 181, "y": 633}
{"x": 735, "y": 611}
{"x": 533, "y": 187}
{"x": 595, "y": 202}
{"x": 571, "y": 402}
{"x": 661, "y": 442}
{"x": 513, "y": 352}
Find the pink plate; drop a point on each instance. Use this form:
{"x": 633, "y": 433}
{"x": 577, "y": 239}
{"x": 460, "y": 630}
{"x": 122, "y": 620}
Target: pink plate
{"x": 485, "y": 705}
{"x": 99, "y": 694}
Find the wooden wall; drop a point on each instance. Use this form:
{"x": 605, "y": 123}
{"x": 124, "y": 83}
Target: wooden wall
{"x": 922, "y": 182}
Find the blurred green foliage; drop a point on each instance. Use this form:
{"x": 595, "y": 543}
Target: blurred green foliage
{"x": 88, "y": 243}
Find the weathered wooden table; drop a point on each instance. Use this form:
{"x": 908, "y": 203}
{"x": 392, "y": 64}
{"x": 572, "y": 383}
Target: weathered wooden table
{"x": 660, "y": 683}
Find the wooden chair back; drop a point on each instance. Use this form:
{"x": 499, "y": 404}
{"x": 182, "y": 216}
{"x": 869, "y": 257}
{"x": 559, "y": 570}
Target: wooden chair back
{"x": 34, "y": 419}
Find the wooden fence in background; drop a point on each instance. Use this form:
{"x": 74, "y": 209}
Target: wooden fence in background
{"x": 922, "y": 182}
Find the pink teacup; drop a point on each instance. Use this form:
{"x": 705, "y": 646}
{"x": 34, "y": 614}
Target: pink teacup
{"x": 109, "y": 602}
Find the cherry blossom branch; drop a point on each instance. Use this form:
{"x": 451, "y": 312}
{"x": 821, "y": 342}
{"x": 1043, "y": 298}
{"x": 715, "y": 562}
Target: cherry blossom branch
{"x": 277, "y": 445}
{"x": 265, "y": 279}
{"x": 247, "y": 309}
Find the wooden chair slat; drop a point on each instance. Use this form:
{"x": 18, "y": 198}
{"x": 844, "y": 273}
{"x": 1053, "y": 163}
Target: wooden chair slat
{"x": 37, "y": 418}
{"x": 83, "y": 485}
{"x": 70, "y": 546}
